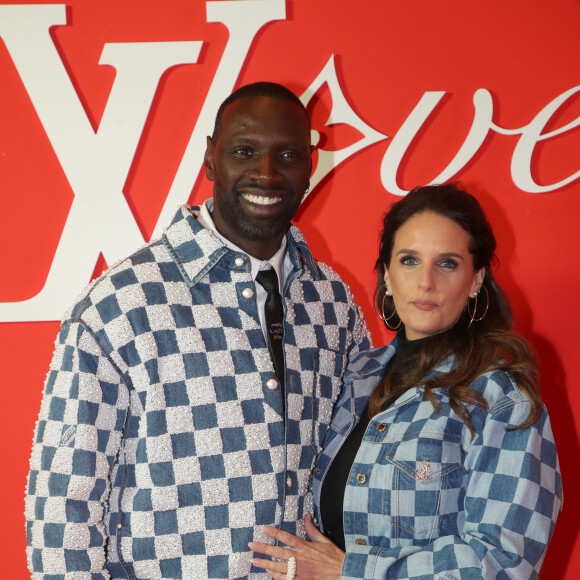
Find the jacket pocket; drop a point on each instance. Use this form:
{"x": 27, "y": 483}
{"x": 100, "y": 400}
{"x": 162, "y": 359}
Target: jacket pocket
{"x": 426, "y": 493}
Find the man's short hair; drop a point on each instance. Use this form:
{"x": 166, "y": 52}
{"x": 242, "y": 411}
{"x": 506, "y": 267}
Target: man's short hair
{"x": 260, "y": 89}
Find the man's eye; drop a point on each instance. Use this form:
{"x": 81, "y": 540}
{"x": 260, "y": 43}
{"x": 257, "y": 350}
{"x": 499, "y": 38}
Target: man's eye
{"x": 409, "y": 261}
{"x": 290, "y": 155}
{"x": 243, "y": 151}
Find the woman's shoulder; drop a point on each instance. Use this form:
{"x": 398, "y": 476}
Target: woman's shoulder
{"x": 507, "y": 403}
{"x": 369, "y": 362}
{"x": 498, "y": 387}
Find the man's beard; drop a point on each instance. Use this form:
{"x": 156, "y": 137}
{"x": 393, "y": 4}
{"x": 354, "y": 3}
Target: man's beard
{"x": 250, "y": 228}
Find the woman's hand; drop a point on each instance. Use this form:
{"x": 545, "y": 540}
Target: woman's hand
{"x": 320, "y": 558}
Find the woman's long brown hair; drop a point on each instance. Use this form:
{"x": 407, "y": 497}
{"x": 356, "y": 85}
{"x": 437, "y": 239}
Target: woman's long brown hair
{"x": 479, "y": 347}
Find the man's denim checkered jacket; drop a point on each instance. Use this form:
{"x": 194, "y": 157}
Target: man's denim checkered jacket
{"x": 426, "y": 501}
{"x": 159, "y": 450}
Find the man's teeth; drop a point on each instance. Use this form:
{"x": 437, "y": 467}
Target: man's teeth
{"x": 261, "y": 200}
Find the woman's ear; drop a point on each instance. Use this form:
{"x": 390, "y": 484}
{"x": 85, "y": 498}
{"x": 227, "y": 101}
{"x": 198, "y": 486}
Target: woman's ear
{"x": 478, "y": 281}
{"x": 386, "y": 276}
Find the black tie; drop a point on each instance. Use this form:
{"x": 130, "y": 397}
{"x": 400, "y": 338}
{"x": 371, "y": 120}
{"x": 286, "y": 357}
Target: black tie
{"x": 274, "y": 316}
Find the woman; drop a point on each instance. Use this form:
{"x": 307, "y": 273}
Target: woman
{"x": 440, "y": 460}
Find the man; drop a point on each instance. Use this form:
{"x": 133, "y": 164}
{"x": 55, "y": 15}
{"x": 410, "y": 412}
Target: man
{"x": 168, "y": 434}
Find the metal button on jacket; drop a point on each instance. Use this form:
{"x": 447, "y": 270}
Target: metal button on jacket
{"x": 248, "y": 292}
{"x": 272, "y": 384}
{"x": 381, "y": 426}
{"x": 361, "y": 478}
{"x": 239, "y": 261}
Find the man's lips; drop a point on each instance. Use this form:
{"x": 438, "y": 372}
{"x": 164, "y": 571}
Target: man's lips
{"x": 259, "y": 199}
{"x": 424, "y": 304}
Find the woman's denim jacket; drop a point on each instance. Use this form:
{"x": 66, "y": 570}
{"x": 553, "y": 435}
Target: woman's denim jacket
{"x": 425, "y": 499}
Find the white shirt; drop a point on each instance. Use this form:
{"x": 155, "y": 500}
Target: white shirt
{"x": 280, "y": 261}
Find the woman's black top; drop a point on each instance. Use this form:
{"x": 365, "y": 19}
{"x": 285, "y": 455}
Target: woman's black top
{"x": 334, "y": 485}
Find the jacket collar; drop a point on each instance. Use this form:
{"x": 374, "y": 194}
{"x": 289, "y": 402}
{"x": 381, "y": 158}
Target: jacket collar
{"x": 373, "y": 362}
{"x": 363, "y": 373}
{"x": 197, "y": 250}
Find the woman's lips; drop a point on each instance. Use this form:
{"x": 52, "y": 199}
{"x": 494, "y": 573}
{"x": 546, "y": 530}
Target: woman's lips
{"x": 424, "y": 304}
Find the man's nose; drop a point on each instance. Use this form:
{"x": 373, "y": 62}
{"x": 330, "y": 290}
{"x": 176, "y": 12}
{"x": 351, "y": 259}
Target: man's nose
{"x": 265, "y": 168}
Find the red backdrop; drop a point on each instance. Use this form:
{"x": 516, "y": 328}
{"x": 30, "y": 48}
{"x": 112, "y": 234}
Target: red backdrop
{"x": 104, "y": 108}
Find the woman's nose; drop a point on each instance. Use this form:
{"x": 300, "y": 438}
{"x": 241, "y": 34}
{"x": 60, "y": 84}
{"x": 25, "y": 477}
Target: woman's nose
{"x": 426, "y": 281}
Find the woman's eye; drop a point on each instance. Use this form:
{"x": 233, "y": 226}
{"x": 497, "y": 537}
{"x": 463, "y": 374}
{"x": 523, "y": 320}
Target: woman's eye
{"x": 409, "y": 261}
{"x": 448, "y": 263}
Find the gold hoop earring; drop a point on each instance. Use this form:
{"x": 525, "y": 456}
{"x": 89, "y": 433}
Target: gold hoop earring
{"x": 473, "y": 313}
{"x": 382, "y": 316}
{"x": 379, "y": 314}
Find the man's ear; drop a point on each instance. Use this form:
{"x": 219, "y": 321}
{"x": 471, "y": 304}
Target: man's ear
{"x": 209, "y": 159}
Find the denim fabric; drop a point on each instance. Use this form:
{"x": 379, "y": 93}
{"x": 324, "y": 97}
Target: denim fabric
{"x": 160, "y": 451}
{"x": 426, "y": 500}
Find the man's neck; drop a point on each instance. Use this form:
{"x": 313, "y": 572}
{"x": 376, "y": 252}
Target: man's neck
{"x": 261, "y": 250}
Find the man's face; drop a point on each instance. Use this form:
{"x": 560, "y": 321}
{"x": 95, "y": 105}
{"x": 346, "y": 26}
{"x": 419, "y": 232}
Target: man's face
{"x": 260, "y": 164}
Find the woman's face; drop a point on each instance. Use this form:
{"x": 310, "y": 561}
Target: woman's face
{"x": 431, "y": 274}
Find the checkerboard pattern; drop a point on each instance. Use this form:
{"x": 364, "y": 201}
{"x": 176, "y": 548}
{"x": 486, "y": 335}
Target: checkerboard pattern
{"x": 426, "y": 500}
{"x": 159, "y": 450}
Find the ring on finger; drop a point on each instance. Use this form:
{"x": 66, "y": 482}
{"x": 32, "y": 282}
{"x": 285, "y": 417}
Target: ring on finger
{"x": 291, "y": 572}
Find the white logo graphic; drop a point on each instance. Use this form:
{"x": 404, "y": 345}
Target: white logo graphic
{"x": 96, "y": 164}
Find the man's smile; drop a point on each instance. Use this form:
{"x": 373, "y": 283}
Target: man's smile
{"x": 261, "y": 199}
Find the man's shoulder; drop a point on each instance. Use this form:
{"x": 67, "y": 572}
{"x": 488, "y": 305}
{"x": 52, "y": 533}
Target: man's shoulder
{"x": 329, "y": 272}
{"x": 320, "y": 269}
{"x": 152, "y": 262}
